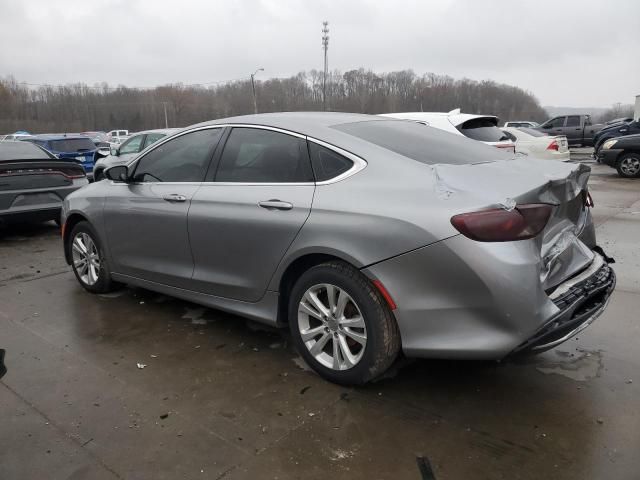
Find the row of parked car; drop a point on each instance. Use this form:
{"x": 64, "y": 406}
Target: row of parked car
{"x": 96, "y": 151}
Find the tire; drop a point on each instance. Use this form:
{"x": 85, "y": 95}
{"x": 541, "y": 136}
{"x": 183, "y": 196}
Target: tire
{"x": 628, "y": 165}
{"x": 367, "y": 328}
{"x": 98, "y": 175}
{"x": 96, "y": 278}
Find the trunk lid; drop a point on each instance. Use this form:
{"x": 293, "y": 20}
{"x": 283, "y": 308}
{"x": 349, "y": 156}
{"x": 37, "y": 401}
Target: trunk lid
{"x": 505, "y": 184}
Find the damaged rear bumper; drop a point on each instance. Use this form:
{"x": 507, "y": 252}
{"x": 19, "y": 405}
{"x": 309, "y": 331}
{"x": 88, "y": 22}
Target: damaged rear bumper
{"x": 581, "y": 300}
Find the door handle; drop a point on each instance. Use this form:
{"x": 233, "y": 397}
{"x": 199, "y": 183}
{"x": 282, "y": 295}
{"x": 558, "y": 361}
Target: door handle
{"x": 275, "y": 204}
{"x": 174, "y": 197}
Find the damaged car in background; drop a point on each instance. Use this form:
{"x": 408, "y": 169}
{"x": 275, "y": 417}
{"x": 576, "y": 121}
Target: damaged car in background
{"x": 368, "y": 237}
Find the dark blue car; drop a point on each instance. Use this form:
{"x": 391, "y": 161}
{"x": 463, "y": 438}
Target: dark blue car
{"x": 69, "y": 146}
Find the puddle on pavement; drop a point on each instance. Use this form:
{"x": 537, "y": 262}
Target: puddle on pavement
{"x": 580, "y": 366}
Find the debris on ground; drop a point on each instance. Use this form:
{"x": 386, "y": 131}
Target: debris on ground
{"x": 141, "y": 365}
{"x": 600, "y": 421}
{"x": 163, "y": 416}
{"x": 629, "y": 381}
{"x": 305, "y": 389}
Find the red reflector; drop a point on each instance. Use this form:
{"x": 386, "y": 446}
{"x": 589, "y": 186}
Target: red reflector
{"x": 553, "y": 146}
{"x": 499, "y": 225}
{"x": 385, "y": 294}
{"x": 64, "y": 226}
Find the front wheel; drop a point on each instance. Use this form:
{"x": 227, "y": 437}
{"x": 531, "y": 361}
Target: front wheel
{"x": 88, "y": 260}
{"x": 629, "y": 165}
{"x": 341, "y": 325}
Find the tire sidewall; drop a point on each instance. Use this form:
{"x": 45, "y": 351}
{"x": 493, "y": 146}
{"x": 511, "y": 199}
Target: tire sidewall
{"x": 370, "y": 308}
{"x": 104, "y": 277}
{"x": 624, "y": 157}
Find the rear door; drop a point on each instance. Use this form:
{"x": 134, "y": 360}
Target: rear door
{"x": 573, "y": 129}
{"x": 146, "y": 219}
{"x": 244, "y": 219}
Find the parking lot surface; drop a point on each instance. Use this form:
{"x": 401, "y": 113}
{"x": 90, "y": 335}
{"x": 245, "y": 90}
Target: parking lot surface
{"x": 139, "y": 385}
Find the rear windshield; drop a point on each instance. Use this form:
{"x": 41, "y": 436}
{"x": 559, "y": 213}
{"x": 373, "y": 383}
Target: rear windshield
{"x": 22, "y": 151}
{"x": 482, "y": 129}
{"x": 72, "y": 145}
{"x": 533, "y": 133}
{"x": 422, "y": 143}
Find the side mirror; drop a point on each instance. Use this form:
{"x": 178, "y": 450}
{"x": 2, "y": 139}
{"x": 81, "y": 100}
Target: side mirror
{"x": 117, "y": 173}
{"x": 114, "y": 151}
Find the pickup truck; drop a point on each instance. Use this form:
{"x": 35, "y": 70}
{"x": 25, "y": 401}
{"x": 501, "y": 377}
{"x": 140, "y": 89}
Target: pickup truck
{"x": 578, "y": 129}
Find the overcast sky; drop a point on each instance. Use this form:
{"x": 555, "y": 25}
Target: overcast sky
{"x": 568, "y": 53}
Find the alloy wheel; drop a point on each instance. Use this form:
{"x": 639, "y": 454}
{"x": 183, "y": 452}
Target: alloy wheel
{"x": 630, "y": 166}
{"x": 332, "y": 327}
{"x": 86, "y": 258}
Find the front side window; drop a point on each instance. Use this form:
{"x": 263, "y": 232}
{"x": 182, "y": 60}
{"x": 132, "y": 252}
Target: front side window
{"x": 327, "y": 164}
{"x": 182, "y": 159}
{"x": 556, "y": 122}
{"x": 573, "y": 121}
{"x": 133, "y": 145}
{"x": 254, "y": 155}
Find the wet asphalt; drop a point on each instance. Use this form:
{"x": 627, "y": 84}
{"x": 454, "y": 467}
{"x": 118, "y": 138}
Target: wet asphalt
{"x": 220, "y": 397}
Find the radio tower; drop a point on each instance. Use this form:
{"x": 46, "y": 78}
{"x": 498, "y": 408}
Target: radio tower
{"x": 325, "y": 47}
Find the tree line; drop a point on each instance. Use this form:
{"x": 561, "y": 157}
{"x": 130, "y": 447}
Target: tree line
{"x": 79, "y": 107}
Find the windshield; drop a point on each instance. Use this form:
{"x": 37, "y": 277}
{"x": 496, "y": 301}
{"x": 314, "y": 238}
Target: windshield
{"x": 482, "y": 129}
{"x": 72, "y": 145}
{"x": 422, "y": 143}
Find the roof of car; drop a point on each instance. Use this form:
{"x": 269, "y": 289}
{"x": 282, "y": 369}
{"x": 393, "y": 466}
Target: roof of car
{"x": 166, "y": 131}
{"x": 455, "y": 117}
{"x": 22, "y": 150}
{"x": 59, "y": 136}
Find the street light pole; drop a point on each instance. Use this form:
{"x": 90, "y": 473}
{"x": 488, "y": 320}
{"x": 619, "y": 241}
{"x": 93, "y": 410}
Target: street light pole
{"x": 253, "y": 88}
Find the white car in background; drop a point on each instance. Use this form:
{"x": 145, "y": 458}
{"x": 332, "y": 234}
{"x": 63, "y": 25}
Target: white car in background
{"x": 483, "y": 128}
{"x": 538, "y": 144}
{"x": 118, "y": 136}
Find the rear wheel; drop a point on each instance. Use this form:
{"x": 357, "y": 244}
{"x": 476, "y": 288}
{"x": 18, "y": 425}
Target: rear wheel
{"x": 88, "y": 260}
{"x": 629, "y": 165}
{"x": 341, "y": 325}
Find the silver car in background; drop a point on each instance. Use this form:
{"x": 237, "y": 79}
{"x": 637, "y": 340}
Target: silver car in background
{"x": 127, "y": 150}
{"x": 367, "y": 236}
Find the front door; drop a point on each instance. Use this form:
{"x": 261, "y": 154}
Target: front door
{"x": 242, "y": 223}
{"x": 146, "y": 219}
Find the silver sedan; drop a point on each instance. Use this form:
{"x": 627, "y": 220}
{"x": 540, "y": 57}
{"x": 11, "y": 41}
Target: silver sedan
{"x": 368, "y": 236}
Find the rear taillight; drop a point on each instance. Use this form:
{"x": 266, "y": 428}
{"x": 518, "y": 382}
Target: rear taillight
{"x": 553, "y": 146}
{"x": 499, "y": 225}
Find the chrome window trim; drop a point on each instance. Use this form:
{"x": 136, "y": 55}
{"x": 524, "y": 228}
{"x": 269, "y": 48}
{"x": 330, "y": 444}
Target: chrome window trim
{"x": 358, "y": 163}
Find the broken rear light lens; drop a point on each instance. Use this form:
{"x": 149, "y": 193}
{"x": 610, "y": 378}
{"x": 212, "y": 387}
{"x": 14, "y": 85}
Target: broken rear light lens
{"x": 499, "y": 225}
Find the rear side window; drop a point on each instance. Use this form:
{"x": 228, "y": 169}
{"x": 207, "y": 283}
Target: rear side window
{"x": 153, "y": 138}
{"x": 182, "y": 159}
{"x": 573, "y": 121}
{"x": 422, "y": 143}
{"x": 482, "y": 129}
{"x": 254, "y": 155}
{"x": 327, "y": 164}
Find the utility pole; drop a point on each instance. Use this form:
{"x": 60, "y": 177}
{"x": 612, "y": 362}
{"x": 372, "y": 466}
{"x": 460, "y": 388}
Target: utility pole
{"x": 253, "y": 87}
{"x": 325, "y": 46}
{"x": 166, "y": 122}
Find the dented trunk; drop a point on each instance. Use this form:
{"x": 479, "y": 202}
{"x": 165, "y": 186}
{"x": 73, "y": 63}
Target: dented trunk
{"x": 568, "y": 238}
